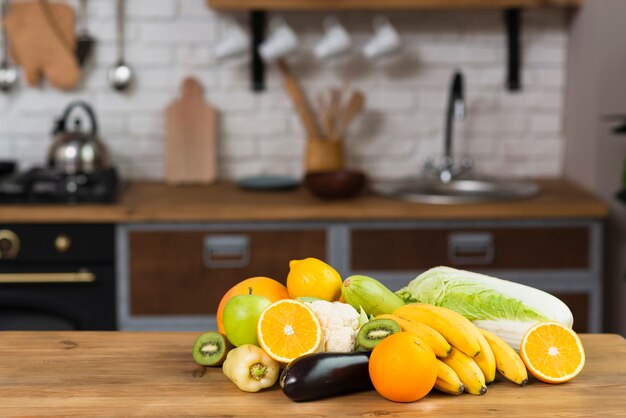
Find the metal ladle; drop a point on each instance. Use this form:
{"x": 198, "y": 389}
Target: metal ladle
{"x": 120, "y": 75}
{"x": 8, "y": 73}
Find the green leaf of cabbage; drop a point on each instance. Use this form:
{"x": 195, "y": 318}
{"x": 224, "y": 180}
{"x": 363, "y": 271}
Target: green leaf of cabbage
{"x": 452, "y": 289}
{"x": 363, "y": 318}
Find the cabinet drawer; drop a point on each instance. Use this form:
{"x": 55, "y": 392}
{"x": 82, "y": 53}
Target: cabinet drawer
{"x": 491, "y": 248}
{"x": 188, "y": 272}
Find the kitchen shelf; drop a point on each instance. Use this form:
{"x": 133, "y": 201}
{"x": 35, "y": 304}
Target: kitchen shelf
{"x": 304, "y": 5}
{"x": 512, "y": 10}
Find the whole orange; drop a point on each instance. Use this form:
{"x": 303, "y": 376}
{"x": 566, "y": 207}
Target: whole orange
{"x": 403, "y": 368}
{"x": 263, "y": 286}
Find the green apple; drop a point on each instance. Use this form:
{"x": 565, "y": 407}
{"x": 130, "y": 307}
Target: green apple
{"x": 241, "y": 315}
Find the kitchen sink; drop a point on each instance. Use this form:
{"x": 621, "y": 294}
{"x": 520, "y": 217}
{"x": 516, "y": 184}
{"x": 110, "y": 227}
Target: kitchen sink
{"x": 457, "y": 190}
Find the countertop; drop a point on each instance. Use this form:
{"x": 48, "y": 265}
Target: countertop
{"x": 153, "y": 374}
{"x": 157, "y": 202}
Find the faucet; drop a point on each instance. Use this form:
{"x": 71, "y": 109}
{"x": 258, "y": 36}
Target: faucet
{"x": 455, "y": 110}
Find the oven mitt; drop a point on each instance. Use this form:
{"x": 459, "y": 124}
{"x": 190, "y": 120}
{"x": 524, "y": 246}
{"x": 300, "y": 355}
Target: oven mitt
{"x": 42, "y": 40}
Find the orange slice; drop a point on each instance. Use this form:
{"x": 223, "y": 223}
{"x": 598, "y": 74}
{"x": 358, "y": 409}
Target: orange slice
{"x": 288, "y": 329}
{"x": 552, "y": 352}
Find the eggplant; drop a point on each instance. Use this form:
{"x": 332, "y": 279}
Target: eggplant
{"x": 322, "y": 375}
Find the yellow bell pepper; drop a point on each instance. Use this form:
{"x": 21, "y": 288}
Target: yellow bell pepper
{"x": 248, "y": 367}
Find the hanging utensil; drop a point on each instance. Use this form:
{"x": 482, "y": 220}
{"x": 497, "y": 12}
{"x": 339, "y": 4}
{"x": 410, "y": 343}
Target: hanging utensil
{"x": 120, "y": 75}
{"x": 8, "y": 73}
{"x": 84, "y": 41}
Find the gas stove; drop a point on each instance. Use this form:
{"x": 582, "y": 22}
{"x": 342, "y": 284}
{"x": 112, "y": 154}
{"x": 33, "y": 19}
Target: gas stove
{"x": 47, "y": 185}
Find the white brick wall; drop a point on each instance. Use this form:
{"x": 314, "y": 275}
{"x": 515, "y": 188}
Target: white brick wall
{"x": 512, "y": 134}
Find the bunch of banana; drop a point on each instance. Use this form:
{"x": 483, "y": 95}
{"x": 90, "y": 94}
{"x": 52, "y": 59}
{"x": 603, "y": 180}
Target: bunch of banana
{"x": 468, "y": 356}
{"x": 454, "y": 327}
{"x": 432, "y": 337}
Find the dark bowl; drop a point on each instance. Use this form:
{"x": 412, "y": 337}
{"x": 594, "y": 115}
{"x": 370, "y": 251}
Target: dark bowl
{"x": 340, "y": 184}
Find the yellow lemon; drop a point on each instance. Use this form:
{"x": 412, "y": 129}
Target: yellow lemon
{"x": 314, "y": 278}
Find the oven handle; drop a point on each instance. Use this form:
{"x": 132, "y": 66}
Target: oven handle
{"x": 81, "y": 276}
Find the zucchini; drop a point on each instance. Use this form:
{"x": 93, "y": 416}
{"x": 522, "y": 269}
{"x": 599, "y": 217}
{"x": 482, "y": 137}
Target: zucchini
{"x": 370, "y": 294}
{"x": 322, "y": 375}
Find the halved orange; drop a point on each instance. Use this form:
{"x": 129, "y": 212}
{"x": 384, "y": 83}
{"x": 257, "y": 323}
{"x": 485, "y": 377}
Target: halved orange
{"x": 552, "y": 352}
{"x": 288, "y": 329}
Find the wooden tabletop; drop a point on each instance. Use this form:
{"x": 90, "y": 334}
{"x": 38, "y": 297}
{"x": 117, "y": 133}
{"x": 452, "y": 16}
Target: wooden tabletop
{"x": 157, "y": 202}
{"x": 153, "y": 374}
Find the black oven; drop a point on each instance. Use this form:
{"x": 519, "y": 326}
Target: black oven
{"x": 57, "y": 277}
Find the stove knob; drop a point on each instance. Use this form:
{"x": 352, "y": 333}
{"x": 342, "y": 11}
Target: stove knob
{"x": 62, "y": 243}
{"x": 9, "y": 244}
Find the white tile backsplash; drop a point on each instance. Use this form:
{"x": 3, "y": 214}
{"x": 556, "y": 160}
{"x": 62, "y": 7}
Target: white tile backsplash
{"x": 516, "y": 134}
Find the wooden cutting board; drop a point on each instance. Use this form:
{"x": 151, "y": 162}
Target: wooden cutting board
{"x": 152, "y": 374}
{"x": 191, "y": 139}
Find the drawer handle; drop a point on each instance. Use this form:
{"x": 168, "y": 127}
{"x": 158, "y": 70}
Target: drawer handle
{"x": 471, "y": 248}
{"x": 81, "y": 276}
{"x": 226, "y": 251}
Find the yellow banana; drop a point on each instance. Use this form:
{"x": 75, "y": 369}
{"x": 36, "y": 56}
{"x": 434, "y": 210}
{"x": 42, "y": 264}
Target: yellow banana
{"x": 454, "y": 327}
{"x": 447, "y": 380}
{"x": 508, "y": 362}
{"x": 486, "y": 359}
{"x": 434, "y": 339}
{"x": 468, "y": 371}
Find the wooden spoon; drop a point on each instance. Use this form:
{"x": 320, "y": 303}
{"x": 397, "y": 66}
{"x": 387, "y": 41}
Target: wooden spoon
{"x": 325, "y": 117}
{"x": 299, "y": 101}
{"x": 334, "y": 107}
{"x": 353, "y": 108}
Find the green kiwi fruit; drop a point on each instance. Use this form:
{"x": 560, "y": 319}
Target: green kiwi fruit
{"x": 374, "y": 331}
{"x": 210, "y": 349}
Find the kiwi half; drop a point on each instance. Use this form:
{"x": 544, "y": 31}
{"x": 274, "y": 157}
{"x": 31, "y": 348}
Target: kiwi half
{"x": 374, "y": 331}
{"x": 210, "y": 349}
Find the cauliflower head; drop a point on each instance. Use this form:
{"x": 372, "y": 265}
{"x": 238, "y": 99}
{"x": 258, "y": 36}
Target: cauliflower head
{"x": 340, "y": 325}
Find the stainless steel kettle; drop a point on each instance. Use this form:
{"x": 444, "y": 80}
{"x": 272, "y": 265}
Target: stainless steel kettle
{"x": 75, "y": 151}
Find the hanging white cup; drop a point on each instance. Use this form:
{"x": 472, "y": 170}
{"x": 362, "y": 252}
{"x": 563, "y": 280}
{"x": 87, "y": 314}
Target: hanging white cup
{"x": 281, "y": 41}
{"x": 234, "y": 42}
{"x": 386, "y": 40}
{"x": 336, "y": 39}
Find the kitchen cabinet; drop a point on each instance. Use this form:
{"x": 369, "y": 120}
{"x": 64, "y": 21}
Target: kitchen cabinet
{"x": 177, "y": 249}
{"x": 561, "y": 257}
{"x": 168, "y": 283}
{"x": 173, "y": 276}
{"x": 186, "y": 272}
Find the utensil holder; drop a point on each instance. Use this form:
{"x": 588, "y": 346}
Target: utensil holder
{"x": 324, "y": 155}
